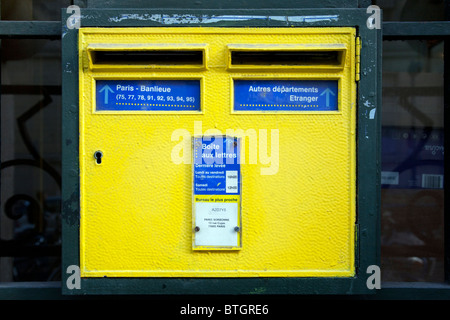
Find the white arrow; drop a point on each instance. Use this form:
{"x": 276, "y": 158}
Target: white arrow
{"x": 107, "y": 89}
{"x": 327, "y": 91}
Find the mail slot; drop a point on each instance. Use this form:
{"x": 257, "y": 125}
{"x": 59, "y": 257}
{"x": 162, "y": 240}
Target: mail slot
{"x": 103, "y": 56}
{"x": 217, "y": 153}
{"x": 329, "y": 56}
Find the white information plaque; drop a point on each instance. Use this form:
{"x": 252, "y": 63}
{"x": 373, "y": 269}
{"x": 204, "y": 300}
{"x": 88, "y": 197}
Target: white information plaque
{"x": 216, "y": 206}
{"x": 216, "y": 224}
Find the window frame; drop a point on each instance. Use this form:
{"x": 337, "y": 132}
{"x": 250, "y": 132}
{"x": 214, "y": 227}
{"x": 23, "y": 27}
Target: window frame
{"x": 390, "y": 31}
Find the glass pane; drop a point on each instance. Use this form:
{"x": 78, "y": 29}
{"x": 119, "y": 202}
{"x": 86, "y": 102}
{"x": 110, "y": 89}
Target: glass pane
{"x": 31, "y": 160}
{"x": 42, "y": 10}
{"x": 412, "y": 10}
{"x": 412, "y": 197}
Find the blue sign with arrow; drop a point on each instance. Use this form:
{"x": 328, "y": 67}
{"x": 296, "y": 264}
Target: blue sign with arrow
{"x": 148, "y": 95}
{"x": 285, "y": 95}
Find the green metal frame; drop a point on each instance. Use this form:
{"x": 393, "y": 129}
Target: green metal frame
{"x": 368, "y": 150}
{"x": 391, "y": 31}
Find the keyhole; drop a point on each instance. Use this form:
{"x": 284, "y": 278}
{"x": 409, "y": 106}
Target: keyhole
{"x": 98, "y": 156}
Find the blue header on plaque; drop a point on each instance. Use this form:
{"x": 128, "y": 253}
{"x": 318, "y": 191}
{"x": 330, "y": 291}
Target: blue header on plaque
{"x": 285, "y": 95}
{"x": 217, "y": 168}
{"x": 148, "y": 95}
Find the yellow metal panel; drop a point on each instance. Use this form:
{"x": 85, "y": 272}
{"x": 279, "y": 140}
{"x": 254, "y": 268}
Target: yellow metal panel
{"x": 136, "y": 206}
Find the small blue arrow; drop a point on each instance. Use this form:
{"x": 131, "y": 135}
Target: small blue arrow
{"x": 107, "y": 89}
{"x": 327, "y": 91}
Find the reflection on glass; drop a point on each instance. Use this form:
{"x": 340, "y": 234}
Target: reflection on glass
{"x": 41, "y": 10}
{"x": 412, "y": 10}
{"x": 30, "y": 212}
{"x": 412, "y": 197}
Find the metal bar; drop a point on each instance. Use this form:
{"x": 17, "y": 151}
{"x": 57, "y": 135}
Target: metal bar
{"x": 415, "y": 30}
{"x": 230, "y": 4}
{"x": 389, "y": 291}
{"x": 30, "y": 29}
{"x": 30, "y": 89}
{"x": 364, "y": 3}
{"x": 393, "y": 91}
{"x": 391, "y": 30}
{"x": 412, "y": 291}
{"x": 31, "y": 290}
{"x": 80, "y": 3}
{"x": 410, "y": 251}
{"x": 446, "y": 144}
{"x": 13, "y": 248}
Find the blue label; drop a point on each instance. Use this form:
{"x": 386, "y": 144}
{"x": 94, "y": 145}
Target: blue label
{"x": 285, "y": 95}
{"x": 412, "y": 158}
{"x": 217, "y": 169}
{"x": 148, "y": 95}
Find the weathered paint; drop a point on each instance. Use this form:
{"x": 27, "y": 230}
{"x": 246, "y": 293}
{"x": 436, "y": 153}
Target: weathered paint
{"x": 234, "y": 4}
{"x": 205, "y": 19}
{"x": 136, "y": 206}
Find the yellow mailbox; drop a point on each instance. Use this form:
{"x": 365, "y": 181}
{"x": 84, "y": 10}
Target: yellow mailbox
{"x": 217, "y": 152}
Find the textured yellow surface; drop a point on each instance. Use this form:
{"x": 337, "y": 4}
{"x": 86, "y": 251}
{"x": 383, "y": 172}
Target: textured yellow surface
{"x": 136, "y": 206}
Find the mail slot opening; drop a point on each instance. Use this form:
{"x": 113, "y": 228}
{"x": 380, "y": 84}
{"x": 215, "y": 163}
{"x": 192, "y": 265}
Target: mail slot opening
{"x": 147, "y": 57}
{"x": 286, "y": 58}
